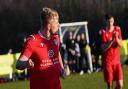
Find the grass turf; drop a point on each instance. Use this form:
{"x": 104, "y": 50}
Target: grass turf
{"x": 75, "y": 81}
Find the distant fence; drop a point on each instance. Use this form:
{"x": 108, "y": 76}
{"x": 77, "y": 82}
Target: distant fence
{"x": 7, "y": 64}
{"x": 8, "y": 61}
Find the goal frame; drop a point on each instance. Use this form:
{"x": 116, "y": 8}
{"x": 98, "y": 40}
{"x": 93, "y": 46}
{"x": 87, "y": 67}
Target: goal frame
{"x": 85, "y": 23}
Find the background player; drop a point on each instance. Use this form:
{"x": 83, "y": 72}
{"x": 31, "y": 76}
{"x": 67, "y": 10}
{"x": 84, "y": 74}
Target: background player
{"x": 111, "y": 43}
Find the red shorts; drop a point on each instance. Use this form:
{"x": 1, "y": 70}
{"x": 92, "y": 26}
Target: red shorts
{"x": 112, "y": 72}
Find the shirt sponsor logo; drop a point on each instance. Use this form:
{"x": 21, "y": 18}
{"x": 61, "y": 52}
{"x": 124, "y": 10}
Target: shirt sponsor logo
{"x": 48, "y": 62}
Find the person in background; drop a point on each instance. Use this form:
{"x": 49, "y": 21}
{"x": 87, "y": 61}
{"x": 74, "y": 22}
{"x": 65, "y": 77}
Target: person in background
{"x": 64, "y": 56}
{"x": 41, "y": 54}
{"x": 83, "y": 58}
{"x": 111, "y": 43}
{"x": 77, "y": 48}
{"x": 70, "y": 47}
{"x": 9, "y": 51}
{"x": 96, "y": 52}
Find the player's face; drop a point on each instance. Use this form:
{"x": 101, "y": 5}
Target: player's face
{"x": 70, "y": 35}
{"x": 54, "y": 25}
{"x": 78, "y": 38}
{"x": 110, "y": 22}
{"x": 82, "y": 36}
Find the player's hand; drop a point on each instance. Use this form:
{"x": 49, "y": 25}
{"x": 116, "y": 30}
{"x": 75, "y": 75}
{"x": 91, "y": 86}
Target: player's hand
{"x": 31, "y": 63}
{"x": 63, "y": 73}
{"x": 116, "y": 35}
{"x": 113, "y": 36}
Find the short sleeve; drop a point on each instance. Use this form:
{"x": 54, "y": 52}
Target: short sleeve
{"x": 119, "y": 30}
{"x": 27, "y": 49}
{"x": 102, "y": 35}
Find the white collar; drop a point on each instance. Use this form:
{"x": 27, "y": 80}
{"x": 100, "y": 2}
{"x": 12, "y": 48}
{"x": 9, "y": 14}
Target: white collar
{"x": 42, "y": 35}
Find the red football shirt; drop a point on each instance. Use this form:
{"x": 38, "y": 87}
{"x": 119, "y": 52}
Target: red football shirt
{"x": 44, "y": 53}
{"x": 112, "y": 55}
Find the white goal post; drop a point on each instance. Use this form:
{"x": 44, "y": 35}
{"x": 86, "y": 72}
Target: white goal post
{"x": 76, "y": 27}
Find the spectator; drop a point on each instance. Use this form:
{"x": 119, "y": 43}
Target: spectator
{"x": 77, "y": 49}
{"x": 70, "y": 46}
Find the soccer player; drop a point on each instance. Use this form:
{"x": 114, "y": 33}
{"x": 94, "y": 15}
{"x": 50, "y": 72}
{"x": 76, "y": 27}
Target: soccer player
{"x": 111, "y": 43}
{"x": 41, "y": 54}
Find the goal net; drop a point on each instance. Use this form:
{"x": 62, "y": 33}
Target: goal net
{"x": 76, "y": 28}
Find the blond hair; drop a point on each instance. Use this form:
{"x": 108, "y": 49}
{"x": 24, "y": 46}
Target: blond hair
{"x": 47, "y": 15}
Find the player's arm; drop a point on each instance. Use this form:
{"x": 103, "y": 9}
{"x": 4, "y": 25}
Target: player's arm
{"x": 119, "y": 41}
{"x": 107, "y": 45}
{"x": 60, "y": 61}
{"x": 118, "y": 38}
{"x": 62, "y": 70}
{"x": 23, "y": 62}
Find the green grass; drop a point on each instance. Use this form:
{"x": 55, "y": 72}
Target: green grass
{"x": 75, "y": 81}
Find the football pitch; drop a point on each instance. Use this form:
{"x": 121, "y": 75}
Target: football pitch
{"x": 75, "y": 81}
